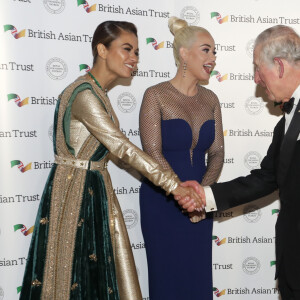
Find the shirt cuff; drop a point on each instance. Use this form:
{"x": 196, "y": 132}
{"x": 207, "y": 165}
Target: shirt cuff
{"x": 210, "y": 200}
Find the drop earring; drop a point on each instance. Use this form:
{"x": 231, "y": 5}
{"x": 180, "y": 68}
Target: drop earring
{"x": 184, "y": 69}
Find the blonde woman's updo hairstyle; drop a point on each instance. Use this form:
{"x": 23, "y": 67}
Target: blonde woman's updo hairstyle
{"x": 184, "y": 35}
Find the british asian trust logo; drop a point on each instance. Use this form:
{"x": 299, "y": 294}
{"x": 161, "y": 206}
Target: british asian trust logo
{"x": 84, "y": 67}
{"x": 34, "y": 100}
{"x": 218, "y": 293}
{"x": 218, "y": 17}
{"x": 86, "y": 6}
{"x": 272, "y": 263}
{"x": 154, "y": 43}
{"x": 20, "y": 165}
{"x": 23, "y": 229}
{"x": 14, "y": 31}
{"x": 218, "y": 75}
{"x": 18, "y": 100}
{"x": 218, "y": 241}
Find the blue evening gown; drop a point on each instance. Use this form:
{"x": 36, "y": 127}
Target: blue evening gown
{"x": 179, "y": 252}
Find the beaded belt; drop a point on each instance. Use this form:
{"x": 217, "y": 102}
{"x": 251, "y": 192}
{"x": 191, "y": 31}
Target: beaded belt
{"x": 81, "y": 164}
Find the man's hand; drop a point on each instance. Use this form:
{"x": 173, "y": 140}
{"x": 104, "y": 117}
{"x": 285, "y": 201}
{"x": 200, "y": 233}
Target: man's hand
{"x": 186, "y": 203}
{"x": 188, "y": 195}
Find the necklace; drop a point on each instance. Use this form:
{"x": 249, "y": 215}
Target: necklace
{"x": 96, "y": 81}
{"x": 107, "y": 105}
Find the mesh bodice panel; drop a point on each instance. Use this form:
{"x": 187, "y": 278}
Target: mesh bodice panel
{"x": 165, "y": 102}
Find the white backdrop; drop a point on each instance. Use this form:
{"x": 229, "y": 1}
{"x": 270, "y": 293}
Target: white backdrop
{"x": 45, "y": 45}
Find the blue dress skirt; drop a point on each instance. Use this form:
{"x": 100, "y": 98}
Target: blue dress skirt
{"x": 179, "y": 252}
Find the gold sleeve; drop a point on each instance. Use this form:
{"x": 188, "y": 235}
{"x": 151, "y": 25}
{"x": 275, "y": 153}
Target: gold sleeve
{"x": 87, "y": 109}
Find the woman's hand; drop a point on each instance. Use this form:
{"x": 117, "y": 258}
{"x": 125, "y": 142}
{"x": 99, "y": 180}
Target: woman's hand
{"x": 197, "y": 187}
{"x": 189, "y": 195}
{"x": 196, "y": 216}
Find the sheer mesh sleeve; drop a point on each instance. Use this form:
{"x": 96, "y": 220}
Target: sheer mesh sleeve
{"x": 150, "y": 127}
{"x": 164, "y": 102}
{"x": 216, "y": 151}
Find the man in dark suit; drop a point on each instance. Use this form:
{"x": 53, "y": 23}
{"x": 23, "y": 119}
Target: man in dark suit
{"x": 277, "y": 70}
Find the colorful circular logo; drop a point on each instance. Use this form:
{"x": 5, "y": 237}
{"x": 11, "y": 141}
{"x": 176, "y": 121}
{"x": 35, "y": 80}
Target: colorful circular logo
{"x": 252, "y": 213}
{"x": 250, "y": 48}
{"x": 190, "y": 14}
{"x": 251, "y": 265}
{"x": 54, "y": 6}
{"x": 254, "y": 106}
{"x": 56, "y": 68}
{"x": 126, "y": 102}
{"x": 130, "y": 217}
{"x": 252, "y": 160}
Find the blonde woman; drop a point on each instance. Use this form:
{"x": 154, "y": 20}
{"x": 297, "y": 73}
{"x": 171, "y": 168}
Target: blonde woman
{"x": 180, "y": 121}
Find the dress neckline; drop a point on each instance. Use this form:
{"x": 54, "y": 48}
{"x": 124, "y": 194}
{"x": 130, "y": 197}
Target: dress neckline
{"x": 97, "y": 83}
{"x": 181, "y": 94}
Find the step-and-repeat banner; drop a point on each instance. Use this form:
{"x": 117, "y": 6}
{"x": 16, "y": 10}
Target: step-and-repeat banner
{"x": 45, "y": 45}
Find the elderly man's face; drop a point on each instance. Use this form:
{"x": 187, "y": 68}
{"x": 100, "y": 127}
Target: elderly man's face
{"x": 267, "y": 77}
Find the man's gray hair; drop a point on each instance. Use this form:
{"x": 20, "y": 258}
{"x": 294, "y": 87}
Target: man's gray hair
{"x": 279, "y": 41}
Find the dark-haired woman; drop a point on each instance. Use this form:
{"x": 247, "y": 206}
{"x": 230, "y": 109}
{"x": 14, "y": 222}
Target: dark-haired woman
{"x": 80, "y": 247}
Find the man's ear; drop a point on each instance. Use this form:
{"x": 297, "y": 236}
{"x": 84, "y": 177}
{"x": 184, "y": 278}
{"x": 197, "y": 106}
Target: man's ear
{"x": 102, "y": 51}
{"x": 280, "y": 66}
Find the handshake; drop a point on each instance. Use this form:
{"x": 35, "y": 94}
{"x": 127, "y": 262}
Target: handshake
{"x": 190, "y": 196}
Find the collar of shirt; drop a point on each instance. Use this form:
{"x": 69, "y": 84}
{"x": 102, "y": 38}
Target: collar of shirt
{"x": 288, "y": 117}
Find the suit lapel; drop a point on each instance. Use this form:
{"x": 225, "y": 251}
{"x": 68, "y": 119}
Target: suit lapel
{"x": 288, "y": 146}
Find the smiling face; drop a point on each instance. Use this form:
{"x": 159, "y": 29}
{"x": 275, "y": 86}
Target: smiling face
{"x": 201, "y": 56}
{"x": 122, "y": 55}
